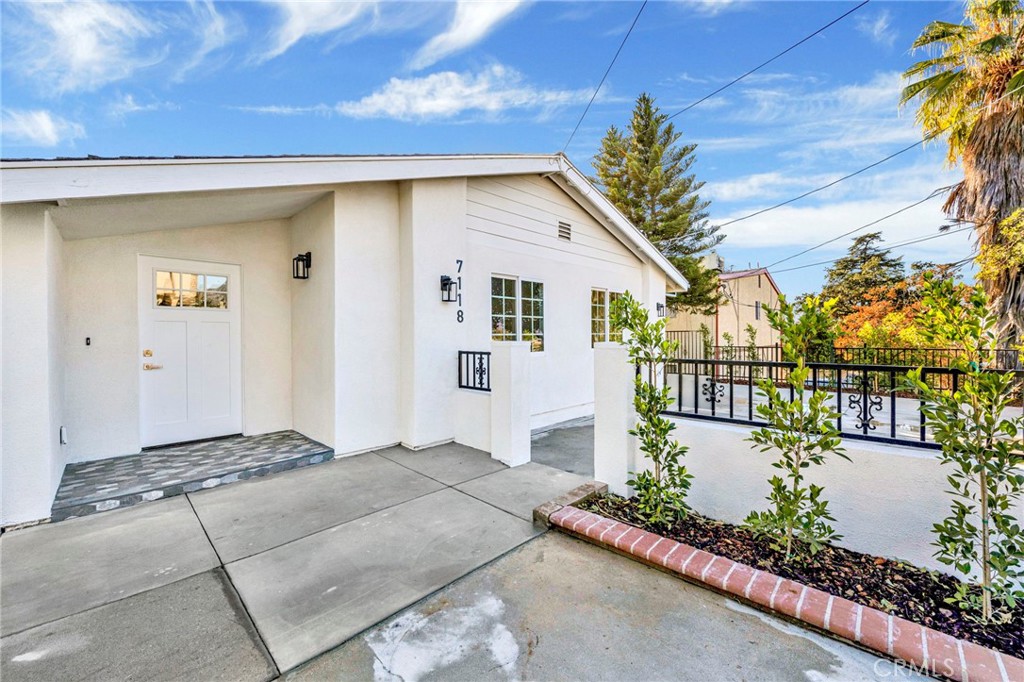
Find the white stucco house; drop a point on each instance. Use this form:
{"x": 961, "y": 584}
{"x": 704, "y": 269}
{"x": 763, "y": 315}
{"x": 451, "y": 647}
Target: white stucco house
{"x": 151, "y": 301}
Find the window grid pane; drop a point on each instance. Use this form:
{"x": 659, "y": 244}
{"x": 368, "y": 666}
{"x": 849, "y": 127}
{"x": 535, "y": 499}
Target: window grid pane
{"x": 503, "y": 309}
{"x": 533, "y": 314}
{"x": 614, "y": 333}
{"x": 598, "y": 316}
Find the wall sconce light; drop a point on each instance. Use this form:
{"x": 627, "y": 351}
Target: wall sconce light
{"x": 301, "y": 265}
{"x": 662, "y": 311}
{"x": 449, "y": 289}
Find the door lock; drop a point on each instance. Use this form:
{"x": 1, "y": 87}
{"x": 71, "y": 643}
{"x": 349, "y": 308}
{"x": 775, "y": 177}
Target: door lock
{"x": 147, "y": 353}
{"x": 147, "y": 366}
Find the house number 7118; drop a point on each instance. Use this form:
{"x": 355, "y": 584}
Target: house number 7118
{"x": 459, "y": 314}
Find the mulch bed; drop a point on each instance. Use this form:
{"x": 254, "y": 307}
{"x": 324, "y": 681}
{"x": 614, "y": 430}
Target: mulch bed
{"x": 885, "y": 584}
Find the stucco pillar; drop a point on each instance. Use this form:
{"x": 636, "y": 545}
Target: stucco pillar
{"x": 614, "y": 449}
{"x": 510, "y": 402}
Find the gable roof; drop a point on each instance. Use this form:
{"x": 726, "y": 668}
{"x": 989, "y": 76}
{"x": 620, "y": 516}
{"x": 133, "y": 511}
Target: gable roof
{"x": 36, "y": 180}
{"x": 753, "y": 272}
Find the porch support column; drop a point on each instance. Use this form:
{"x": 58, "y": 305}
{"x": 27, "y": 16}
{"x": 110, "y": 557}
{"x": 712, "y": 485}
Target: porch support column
{"x": 615, "y": 451}
{"x": 510, "y": 402}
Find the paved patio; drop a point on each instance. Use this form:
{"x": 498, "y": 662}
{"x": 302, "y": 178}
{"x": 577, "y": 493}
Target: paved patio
{"x": 105, "y": 484}
{"x": 244, "y": 581}
{"x": 568, "y": 446}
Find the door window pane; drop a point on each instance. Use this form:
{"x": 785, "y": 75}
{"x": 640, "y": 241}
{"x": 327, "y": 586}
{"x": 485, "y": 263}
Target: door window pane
{"x": 191, "y": 290}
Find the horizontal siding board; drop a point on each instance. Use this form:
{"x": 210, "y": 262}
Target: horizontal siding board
{"x": 542, "y": 228}
{"x": 548, "y": 197}
{"x": 528, "y": 247}
{"x": 529, "y": 209}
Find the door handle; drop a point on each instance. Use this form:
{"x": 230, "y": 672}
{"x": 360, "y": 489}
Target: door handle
{"x": 147, "y": 366}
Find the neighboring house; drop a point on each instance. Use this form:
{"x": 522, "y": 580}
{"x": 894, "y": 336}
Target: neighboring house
{"x": 149, "y": 301}
{"x": 748, "y": 294}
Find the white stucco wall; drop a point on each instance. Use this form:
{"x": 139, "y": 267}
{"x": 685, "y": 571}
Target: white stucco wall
{"x": 885, "y": 499}
{"x": 31, "y": 251}
{"x": 368, "y": 323}
{"x": 102, "y": 387}
{"x": 311, "y": 328}
{"x": 432, "y": 238}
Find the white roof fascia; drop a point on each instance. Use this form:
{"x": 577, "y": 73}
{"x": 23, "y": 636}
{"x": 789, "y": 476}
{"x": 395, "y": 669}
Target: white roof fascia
{"x": 29, "y": 181}
{"x": 59, "y": 180}
{"x": 579, "y": 182}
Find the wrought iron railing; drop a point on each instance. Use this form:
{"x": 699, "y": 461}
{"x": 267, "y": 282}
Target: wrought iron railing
{"x": 475, "y": 370}
{"x": 691, "y": 347}
{"x": 872, "y": 400}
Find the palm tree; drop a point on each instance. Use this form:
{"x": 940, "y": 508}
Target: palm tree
{"x": 971, "y": 90}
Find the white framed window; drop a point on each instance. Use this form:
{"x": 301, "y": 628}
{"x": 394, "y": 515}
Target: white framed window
{"x": 601, "y": 327}
{"x": 190, "y": 290}
{"x": 517, "y": 311}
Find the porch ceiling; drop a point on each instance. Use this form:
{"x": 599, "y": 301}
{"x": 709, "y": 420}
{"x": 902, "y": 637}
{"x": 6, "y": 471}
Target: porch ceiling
{"x": 85, "y": 218}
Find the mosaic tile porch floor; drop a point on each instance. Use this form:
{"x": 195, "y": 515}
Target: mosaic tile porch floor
{"x": 101, "y": 485}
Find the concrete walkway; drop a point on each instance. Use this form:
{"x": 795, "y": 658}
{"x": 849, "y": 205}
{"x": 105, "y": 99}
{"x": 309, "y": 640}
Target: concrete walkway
{"x": 255, "y": 578}
{"x": 559, "y": 609}
{"x": 568, "y": 446}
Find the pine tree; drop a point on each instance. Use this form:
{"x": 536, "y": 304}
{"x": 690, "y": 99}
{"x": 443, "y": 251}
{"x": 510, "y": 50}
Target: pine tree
{"x": 645, "y": 172}
{"x": 865, "y": 266}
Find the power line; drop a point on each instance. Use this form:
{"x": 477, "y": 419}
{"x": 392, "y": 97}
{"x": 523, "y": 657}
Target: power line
{"x": 894, "y": 246}
{"x": 926, "y": 138}
{"x": 858, "y": 229}
{"x": 606, "y": 72}
{"x": 834, "y": 182}
{"x": 766, "y": 63}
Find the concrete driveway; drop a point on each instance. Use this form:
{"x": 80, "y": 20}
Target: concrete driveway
{"x": 390, "y": 565}
{"x": 559, "y": 609}
{"x": 246, "y": 581}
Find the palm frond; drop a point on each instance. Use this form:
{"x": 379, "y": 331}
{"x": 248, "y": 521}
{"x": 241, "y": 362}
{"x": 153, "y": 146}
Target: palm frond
{"x": 940, "y": 32}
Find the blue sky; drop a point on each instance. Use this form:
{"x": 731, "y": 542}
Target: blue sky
{"x": 225, "y": 78}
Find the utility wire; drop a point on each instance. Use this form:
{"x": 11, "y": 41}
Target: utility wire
{"x": 858, "y": 229}
{"x": 766, "y": 63}
{"x": 926, "y": 138}
{"x": 834, "y": 182}
{"x": 606, "y": 72}
{"x": 894, "y": 246}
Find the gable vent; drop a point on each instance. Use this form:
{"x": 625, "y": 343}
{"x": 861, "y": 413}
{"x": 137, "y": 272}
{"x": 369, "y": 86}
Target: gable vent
{"x": 565, "y": 231}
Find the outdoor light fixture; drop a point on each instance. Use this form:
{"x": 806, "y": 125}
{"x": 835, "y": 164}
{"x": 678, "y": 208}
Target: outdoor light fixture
{"x": 301, "y": 265}
{"x": 449, "y": 289}
{"x": 661, "y": 310}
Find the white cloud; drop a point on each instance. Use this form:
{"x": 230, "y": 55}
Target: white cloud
{"x": 38, "y": 127}
{"x": 305, "y": 19}
{"x": 126, "y": 104}
{"x": 79, "y": 46}
{"x": 711, "y": 7}
{"x": 213, "y": 31}
{"x": 447, "y": 94}
{"x": 472, "y": 22}
{"x": 878, "y": 29}
{"x": 284, "y": 110}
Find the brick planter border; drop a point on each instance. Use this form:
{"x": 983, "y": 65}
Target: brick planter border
{"x": 922, "y": 648}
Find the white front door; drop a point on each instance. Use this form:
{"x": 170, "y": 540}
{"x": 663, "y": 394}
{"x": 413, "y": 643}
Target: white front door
{"x": 190, "y": 350}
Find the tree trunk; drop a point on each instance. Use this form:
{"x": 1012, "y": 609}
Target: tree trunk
{"x": 992, "y": 189}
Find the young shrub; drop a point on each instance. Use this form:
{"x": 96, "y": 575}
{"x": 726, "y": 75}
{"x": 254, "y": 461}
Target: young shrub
{"x": 729, "y": 352}
{"x": 982, "y": 446}
{"x": 706, "y": 341}
{"x": 751, "y": 332}
{"x": 661, "y": 492}
{"x": 803, "y": 431}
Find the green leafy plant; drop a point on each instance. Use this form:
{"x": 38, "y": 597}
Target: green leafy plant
{"x": 983, "y": 447}
{"x": 706, "y": 341}
{"x": 751, "y": 333}
{"x": 729, "y": 351}
{"x": 803, "y": 431}
{"x": 661, "y": 491}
